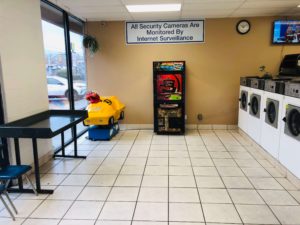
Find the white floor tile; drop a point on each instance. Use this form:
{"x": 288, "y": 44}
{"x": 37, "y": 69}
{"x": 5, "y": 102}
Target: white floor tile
{"x": 129, "y": 180}
{"x": 123, "y": 194}
{"x": 153, "y": 194}
{"x": 88, "y": 210}
{"x": 277, "y": 197}
{"x": 242, "y": 196}
{"x": 256, "y": 214}
{"x": 214, "y": 196}
{"x": 155, "y": 181}
{"x": 66, "y": 193}
{"x": 24, "y": 207}
{"x": 187, "y": 195}
{"x": 102, "y": 180}
{"x": 117, "y": 211}
{"x": 287, "y": 214}
{"x": 209, "y": 182}
{"x": 151, "y": 211}
{"x": 77, "y": 222}
{"x": 77, "y": 180}
{"x": 187, "y": 212}
{"x": 94, "y": 193}
{"x": 52, "y": 209}
{"x": 220, "y": 213}
{"x": 182, "y": 181}
{"x": 41, "y": 222}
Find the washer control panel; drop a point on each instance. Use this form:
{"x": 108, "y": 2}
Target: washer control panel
{"x": 293, "y": 89}
{"x": 275, "y": 86}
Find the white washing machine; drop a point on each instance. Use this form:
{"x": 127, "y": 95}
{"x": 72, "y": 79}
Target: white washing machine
{"x": 255, "y": 105}
{"x": 272, "y": 114}
{"x": 289, "y": 151}
{"x": 243, "y": 103}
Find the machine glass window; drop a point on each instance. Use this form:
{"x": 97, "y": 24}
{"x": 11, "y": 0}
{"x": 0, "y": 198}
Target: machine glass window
{"x": 254, "y": 105}
{"x": 271, "y": 112}
{"x": 244, "y": 100}
{"x": 293, "y": 122}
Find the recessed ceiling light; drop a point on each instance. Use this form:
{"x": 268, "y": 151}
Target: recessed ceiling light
{"x": 154, "y": 8}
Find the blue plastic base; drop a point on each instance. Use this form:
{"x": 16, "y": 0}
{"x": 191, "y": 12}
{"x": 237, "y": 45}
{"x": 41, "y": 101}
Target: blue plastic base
{"x": 98, "y": 133}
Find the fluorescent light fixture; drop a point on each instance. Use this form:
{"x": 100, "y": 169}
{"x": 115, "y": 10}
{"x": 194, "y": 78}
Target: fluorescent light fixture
{"x": 154, "y": 8}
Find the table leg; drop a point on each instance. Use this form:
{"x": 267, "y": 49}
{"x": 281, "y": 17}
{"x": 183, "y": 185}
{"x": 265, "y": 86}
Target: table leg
{"x": 75, "y": 141}
{"x": 36, "y": 164}
{"x": 63, "y": 144}
{"x": 18, "y": 160}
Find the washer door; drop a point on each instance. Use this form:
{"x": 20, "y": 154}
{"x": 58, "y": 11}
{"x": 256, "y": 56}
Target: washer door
{"x": 272, "y": 112}
{"x": 255, "y": 105}
{"x": 292, "y": 126}
{"x": 244, "y": 100}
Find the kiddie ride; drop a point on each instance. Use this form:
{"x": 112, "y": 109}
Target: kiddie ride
{"x": 103, "y": 116}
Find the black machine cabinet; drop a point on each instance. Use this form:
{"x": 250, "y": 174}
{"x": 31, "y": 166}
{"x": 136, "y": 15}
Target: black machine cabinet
{"x": 169, "y": 97}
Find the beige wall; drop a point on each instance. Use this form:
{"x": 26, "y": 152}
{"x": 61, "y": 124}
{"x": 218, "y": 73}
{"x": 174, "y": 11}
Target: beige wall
{"x": 213, "y": 68}
{"x": 23, "y": 76}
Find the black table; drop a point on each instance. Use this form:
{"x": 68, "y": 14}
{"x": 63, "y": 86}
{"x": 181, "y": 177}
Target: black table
{"x": 43, "y": 125}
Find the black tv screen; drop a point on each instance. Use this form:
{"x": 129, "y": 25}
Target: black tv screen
{"x": 286, "y": 32}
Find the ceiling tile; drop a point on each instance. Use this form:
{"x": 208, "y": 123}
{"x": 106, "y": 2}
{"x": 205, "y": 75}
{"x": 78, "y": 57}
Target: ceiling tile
{"x": 156, "y": 16}
{"x": 116, "y": 10}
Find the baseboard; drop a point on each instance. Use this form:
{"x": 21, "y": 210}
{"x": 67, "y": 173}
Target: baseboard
{"x": 188, "y": 126}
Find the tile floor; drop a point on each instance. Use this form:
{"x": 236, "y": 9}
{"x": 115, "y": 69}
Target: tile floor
{"x": 139, "y": 178}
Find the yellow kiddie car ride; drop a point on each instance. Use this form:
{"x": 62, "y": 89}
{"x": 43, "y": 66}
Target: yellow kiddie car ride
{"x": 105, "y": 111}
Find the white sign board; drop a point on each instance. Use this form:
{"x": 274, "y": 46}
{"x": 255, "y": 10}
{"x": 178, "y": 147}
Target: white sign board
{"x": 186, "y": 31}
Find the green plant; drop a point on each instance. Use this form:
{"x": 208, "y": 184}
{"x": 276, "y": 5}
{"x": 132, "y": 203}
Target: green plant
{"x": 90, "y": 43}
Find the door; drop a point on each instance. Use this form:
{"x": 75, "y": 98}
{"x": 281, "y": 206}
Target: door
{"x": 271, "y": 111}
{"x": 244, "y": 100}
{"x": 255, "y": 105}
{"x": 292, "y": 125}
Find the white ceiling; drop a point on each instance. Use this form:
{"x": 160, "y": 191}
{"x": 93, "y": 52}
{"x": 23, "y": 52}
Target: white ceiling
{"x": 110, "y": 10}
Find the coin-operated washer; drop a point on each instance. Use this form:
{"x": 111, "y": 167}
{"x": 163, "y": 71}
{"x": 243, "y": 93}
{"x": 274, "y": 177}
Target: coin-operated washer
{"x": 103, "y": 116}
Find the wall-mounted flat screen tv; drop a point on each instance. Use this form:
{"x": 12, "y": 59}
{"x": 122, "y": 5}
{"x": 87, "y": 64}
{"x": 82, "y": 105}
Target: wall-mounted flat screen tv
{"x": 286, "y": 32}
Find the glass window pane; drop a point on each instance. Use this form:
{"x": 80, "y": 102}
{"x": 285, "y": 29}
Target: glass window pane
{"x": 55, "y": 57}
{"x": 78, "y": 63}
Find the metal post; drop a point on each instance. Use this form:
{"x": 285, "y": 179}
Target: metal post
{"x": 36, "y": 165}
{"x": 18, "y": 160}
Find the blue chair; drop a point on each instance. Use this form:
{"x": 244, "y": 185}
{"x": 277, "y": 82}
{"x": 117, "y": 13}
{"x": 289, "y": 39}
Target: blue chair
{"x": 11, "y": 172}
{"x": 3, "y": 191}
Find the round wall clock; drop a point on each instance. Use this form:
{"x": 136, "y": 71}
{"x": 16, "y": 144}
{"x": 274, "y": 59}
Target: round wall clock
{"x": 243, "y": 27}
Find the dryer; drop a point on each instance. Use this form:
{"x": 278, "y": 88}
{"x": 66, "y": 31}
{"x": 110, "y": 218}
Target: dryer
{"x": 289, "y": 151}
{"x": 255, "y": 104}
{"x": 243, "y": 103}
{"x": 272, "y": 114}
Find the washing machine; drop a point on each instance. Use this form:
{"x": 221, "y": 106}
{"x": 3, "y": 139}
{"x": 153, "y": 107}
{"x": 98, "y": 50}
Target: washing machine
{"x": 255, "y": 105}
{"x": 289, "y": 151}
{"x": 243, "y": 103}
{"x": 272, "y": 114}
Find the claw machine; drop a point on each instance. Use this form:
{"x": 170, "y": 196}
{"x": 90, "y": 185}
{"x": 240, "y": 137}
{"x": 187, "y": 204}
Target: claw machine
{"x": 169, "y": 97}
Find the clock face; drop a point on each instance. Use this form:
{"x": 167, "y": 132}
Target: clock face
{"x": 243, "y": 27}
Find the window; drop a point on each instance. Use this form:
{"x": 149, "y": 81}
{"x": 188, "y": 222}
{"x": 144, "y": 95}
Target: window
{"x": 64, "y": 62}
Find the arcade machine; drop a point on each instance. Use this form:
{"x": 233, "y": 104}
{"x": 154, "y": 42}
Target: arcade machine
{"x": 169, "y": 97}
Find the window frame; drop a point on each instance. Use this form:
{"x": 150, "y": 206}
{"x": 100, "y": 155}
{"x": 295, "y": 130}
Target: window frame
{"x": 69, "y": 64}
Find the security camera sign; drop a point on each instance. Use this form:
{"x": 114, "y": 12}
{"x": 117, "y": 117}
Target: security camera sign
{"x": 158, "y": 32}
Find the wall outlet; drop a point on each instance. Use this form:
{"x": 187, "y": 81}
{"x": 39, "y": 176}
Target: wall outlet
{"x": 185, "y": 117}
{"x": 200, "y": 116}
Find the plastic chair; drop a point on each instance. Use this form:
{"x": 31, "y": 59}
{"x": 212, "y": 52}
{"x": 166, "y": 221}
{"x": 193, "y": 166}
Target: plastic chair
{"x": 3, "y": 191}
{"x": 11, "y": 172}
